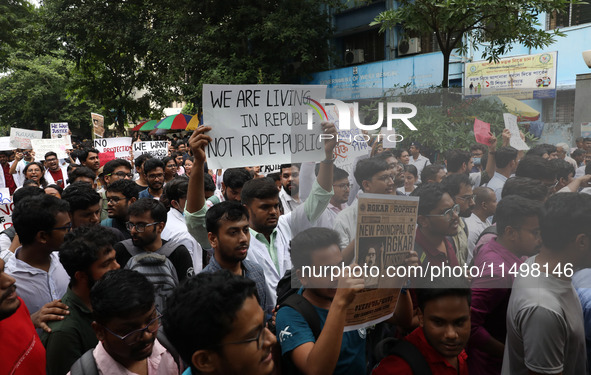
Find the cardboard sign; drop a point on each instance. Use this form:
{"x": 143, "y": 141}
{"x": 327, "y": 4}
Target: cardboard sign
{"x": 43, "y": 146}
{"x": 6, "y": 210}
{"x": 105, "y": 157}
{"x": 515, "y": 140}
{"x": 58, "y": 129}
{"x": 21, "y": 138}
{"x": 253, "y": 124}
{"x": 5, "y": 144}
{"x": 98, "y": 125}
{"x": 158, "y": 149}
{"x": 120, "y": 146}
{"x": 481, "y": 131}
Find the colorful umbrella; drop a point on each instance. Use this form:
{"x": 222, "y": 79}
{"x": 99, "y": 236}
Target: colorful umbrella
{"x": 523, "y": 111}
{"x": 174, "y": 122}
{"x": 145, "y": 126}
{"x": 193, "y": 124}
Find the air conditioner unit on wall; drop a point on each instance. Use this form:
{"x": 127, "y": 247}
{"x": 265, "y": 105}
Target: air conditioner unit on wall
{"x": 409, "y": 46}
{"x": 354, "y": 56}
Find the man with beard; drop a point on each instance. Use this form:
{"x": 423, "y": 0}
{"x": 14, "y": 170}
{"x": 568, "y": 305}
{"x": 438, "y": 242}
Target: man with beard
{"x": 290, "y": 189}
{"x": 54, "y": 173}
{"x": 125, "y": 323}
{"x": 90, "y": 159}
{"x": 229, "y": 235}
{"x": 87, "y": 254}
{"x": 232, "y": 184}
{"x": 458, "y": 186}
{"x": 518, "y": 236}
{"x": 147, "y": 218}
{"x": 120, "y": 195}
{"x": 437, "y": 219}
{"x": 6, "y": 176}
{"x": 22, "y": 353}
{"x": 154, "y": 174}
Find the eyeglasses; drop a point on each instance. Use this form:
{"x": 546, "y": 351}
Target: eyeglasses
{"x": 343, "y": 186}
{"x": 449, "y": 213}
{"x": 171, "y": 166}
{"x": 552, "y": 186}
{"x": 139, "y": 227}
{"x": 65, "y": 227}
{"x": 385, "y": 178}
{"x": 134, "y": 336}
{"x": 122, "y": 174}
{"x": 257, "y": 338}
{"x": 155, "y": 176}
{"x": 115, "y": 199}
{"x": 467, "y": 197}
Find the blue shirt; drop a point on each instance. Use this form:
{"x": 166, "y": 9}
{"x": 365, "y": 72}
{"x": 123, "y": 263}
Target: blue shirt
{"x": 146, "y": 194}
{"x": 293, "y": 331}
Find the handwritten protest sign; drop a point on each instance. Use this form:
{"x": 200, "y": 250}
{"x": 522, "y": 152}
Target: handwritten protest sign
{"x": 515, "y": 140}
{"x": 21, "y": 138}
{"x": 120, "y": 146}
{"x": 385, "y": 236}
{"x": 43, "y": 146}
{"x": 253, "y": 124}
{"x": 158, "y": 149}
{"x": 98, "y": 124}
{"x": 268, "y": 169}
{"x": 481, "y": 131}
{"x": 58, "y": 129}
{"x": 5, "y": 144}
{"x": 6, "y": 210}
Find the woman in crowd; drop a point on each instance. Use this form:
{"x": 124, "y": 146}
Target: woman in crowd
{"x": 35, "y": 171}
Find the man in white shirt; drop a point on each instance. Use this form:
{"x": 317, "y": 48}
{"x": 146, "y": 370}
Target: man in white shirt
{"x": 506, "y": 160}
{"x": 417, "y": 159}
{"x": 485, "y": 206}
{"x": 290, "y": 189}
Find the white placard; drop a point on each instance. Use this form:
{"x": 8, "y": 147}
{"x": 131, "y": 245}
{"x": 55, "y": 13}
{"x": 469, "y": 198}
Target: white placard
{"x": 5, "y": 144}
{"x": 511, "y": 124}
{"x": 21, "y": 138}
{"x": 6, "y": 210}
{"x": 43, "y": 146}
{"x": 158, "y": 149}
{"x": 58, "y": 129}
{"x": 120, "y": 146}
{"x": 258, "y": 124}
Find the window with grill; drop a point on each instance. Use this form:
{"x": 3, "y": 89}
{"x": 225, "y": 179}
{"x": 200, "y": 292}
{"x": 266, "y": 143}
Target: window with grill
{"x": 573, "y": 15}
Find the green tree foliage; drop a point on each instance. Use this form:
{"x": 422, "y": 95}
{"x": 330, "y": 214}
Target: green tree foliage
{"x": 15, "y": 15}
{"x": 492, "y": 24}
{"x": 35, "y": 93}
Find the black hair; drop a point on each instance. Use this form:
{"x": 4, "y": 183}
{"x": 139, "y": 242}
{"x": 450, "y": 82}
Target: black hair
{"x": 48, "y": 154}
{"x": 537, "y": 150}
{"x": 26, "y": 191}
{"x": 480, "y": 147}
{"x": 28, "y": 183}
{"x": 42, "y": 180}
{"x": 339, "y": 174}
{"x": 126, "y": 187}
{"x": 443, "y": 287}
{"x": 430, "y": 172}
{"x": 429, "y": 197}
{"x": 274, "y": 176}
{"x": 208, "y": 184}
{"x": 56, "y": 187}
{"x": 514, "y": 210}
{"x": 151, "y": 164}
{"x": 36, "y": 214}
{"x": 140, "y": 160}
{"x": 577, "y": 152}
{"x": 235, "y": 178}
{"x": 111, "y": 165}
{"x": 175, "y": 190}
{"x": 367, "y": 168}
{"x": 83, "y": 246}
{"x": 71, "y": 167}
{"x": 505, "y": 155}
{"x": 84, "y": 154}
{"x": 189, "y": 158}
{"x": 156, "y": 209}
{"x": 228, "y": 211}
{"x": 80, "y": 172}
{"x": 525, "y": 187}
{"x": 121, "y": 294}
{"x": 201, "y": 312}
{"x": 566, "y": 215}
{"x": 455, "y": 159}
{"x": 166, "y": 159}
{"x": 562, "y": 168}
{"x": 452, "y": 184}
{"x": 412, "y": 170}
{"x": 535, "y": 167}
{"x": 80, "y": 195}
{"x": 259, "y": 188}
{"x": 305, "y": 243}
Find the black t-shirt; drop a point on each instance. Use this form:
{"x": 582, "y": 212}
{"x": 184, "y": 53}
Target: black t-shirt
{"x": 180, "y": 259}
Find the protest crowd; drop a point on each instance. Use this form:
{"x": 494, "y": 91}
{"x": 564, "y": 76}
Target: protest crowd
{"x": 160, "y": 265}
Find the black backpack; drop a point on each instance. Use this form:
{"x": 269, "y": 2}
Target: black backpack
{"x": 405, "y": 350}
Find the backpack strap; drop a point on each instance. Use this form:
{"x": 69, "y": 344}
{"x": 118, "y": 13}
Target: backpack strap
{"x": 488, "y": 230}
{"x": 168, "y": 248}
{"x": 10, "y": 232}
{"x": 130, "y": 247}
{"x": 86, "y": 365}
{"x": 307, "y": 310}
{"x": 405, "y": 350}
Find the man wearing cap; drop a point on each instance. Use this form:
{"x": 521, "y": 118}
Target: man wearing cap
{"x": 418, "y": 160}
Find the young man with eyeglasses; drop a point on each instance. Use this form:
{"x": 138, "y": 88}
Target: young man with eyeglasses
{"x": 126, "y": 323}
{"x": 438, "y": 218}
{"x": 87, "y": 254}
{"x": 154, "y": 174}
{"x": 119, "y": 196}
{"x": 54, "y": 173}
{"x": 218, "y": 327}
{"x": 147, "y": 218}
{"x": 113, "y": 170}
{"x": 459, "y": 187}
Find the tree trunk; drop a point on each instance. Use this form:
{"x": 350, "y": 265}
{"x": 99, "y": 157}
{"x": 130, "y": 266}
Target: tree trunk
{"x": 445, "y": 81}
